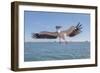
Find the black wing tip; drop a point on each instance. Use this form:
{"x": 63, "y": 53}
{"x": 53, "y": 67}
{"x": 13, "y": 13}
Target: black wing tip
{"x": 35, "y": 35}
{"x": 79, "y": 26}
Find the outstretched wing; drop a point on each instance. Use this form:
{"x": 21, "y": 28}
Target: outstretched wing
{"x": 71, "y": 32}
{"x": 74, "y": 30}
{"x": 45, "y": 35}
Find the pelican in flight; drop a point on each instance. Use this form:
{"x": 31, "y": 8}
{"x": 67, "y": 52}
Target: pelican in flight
{"x": 71, "y": 32}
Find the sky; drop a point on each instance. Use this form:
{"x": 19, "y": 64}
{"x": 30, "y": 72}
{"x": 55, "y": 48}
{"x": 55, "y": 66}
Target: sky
{"x": 37, "y": 21}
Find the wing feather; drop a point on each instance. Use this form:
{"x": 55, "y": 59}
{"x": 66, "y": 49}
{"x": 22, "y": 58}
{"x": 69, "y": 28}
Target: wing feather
{"x": 45, "y": 35}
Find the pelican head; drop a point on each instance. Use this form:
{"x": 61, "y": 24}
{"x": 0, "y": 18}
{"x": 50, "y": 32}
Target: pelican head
{"x": 58, "y": 27}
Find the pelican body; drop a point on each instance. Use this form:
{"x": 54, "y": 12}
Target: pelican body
{"x": 71, "y": 32}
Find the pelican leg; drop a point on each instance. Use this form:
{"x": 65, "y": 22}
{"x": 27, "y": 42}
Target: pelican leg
{"x": 62, "y": 38}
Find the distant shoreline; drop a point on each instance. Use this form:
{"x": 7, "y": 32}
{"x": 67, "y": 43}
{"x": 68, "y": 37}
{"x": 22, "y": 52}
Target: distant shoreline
{"x": 58, "y": 42}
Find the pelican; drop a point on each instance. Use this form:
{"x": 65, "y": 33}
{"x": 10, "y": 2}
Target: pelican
{"x": 71, "y": 32}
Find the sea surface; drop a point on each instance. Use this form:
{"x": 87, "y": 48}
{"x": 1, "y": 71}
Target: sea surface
{"x": 45, "y": 51}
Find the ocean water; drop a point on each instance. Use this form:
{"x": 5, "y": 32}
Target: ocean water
{"x": 45, "y": 51}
